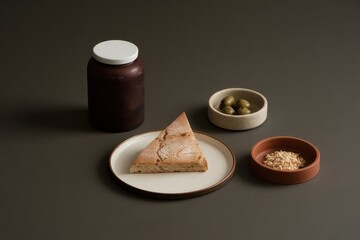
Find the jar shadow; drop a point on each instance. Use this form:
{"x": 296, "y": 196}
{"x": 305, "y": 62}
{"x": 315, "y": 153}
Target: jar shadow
{"x": 49, "y": 118}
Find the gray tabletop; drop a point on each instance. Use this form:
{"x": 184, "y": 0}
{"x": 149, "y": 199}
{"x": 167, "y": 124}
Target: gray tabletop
{"x": 304, "y": 56}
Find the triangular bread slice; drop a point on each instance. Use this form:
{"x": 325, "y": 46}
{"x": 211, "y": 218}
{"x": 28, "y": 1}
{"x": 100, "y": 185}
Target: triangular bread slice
{"x": 175, "y": 150}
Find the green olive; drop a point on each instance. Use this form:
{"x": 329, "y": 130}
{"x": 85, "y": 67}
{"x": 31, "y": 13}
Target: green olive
{"x": 242, "y": 103}
{"x": 228, "y": 101}
{"x": 228, "y": 110}
{"x": 243, "y": 111}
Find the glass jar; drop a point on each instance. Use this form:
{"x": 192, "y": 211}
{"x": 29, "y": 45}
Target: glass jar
{"x": 115, "y": 78}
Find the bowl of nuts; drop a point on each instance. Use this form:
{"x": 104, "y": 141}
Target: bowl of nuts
{"x": 237, "y": 109}
{"x": 285, "y": 160}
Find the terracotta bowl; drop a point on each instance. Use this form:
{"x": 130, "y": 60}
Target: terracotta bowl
{"x": 307, "y": 150}
{"x": 258, "y": 115}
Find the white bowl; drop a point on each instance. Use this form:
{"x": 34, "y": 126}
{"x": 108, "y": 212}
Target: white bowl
{"x": 258, "y": 115}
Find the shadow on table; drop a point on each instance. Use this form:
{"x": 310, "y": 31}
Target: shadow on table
{"x": 110, "y": 181}
{"x": 243, "y": 172}
{"x": 199, "y": 121}
{"x": 50, "y": 118}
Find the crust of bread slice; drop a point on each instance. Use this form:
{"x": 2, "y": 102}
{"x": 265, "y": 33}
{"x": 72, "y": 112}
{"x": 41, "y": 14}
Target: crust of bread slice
{"x": 175, "y": 150}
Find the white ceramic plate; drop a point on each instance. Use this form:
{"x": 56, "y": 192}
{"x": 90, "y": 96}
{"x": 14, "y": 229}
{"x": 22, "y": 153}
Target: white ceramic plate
{"x": 221, "y": 166}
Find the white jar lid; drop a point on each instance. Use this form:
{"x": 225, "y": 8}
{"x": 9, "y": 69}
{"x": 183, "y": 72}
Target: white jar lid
{"x": 115, "y": 52}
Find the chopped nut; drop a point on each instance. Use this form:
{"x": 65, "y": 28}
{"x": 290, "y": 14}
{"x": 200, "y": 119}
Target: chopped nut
{"x": 284, "y": 160}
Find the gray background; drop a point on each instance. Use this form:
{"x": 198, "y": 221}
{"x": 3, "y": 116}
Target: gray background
{"x": 304, "y": 56}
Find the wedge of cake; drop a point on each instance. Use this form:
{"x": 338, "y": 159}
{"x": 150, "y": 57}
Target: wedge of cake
{"x": 175, "y": 150}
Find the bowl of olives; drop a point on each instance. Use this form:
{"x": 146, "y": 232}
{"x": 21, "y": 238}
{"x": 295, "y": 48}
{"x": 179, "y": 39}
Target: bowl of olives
{"x": 237, "y": 109}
